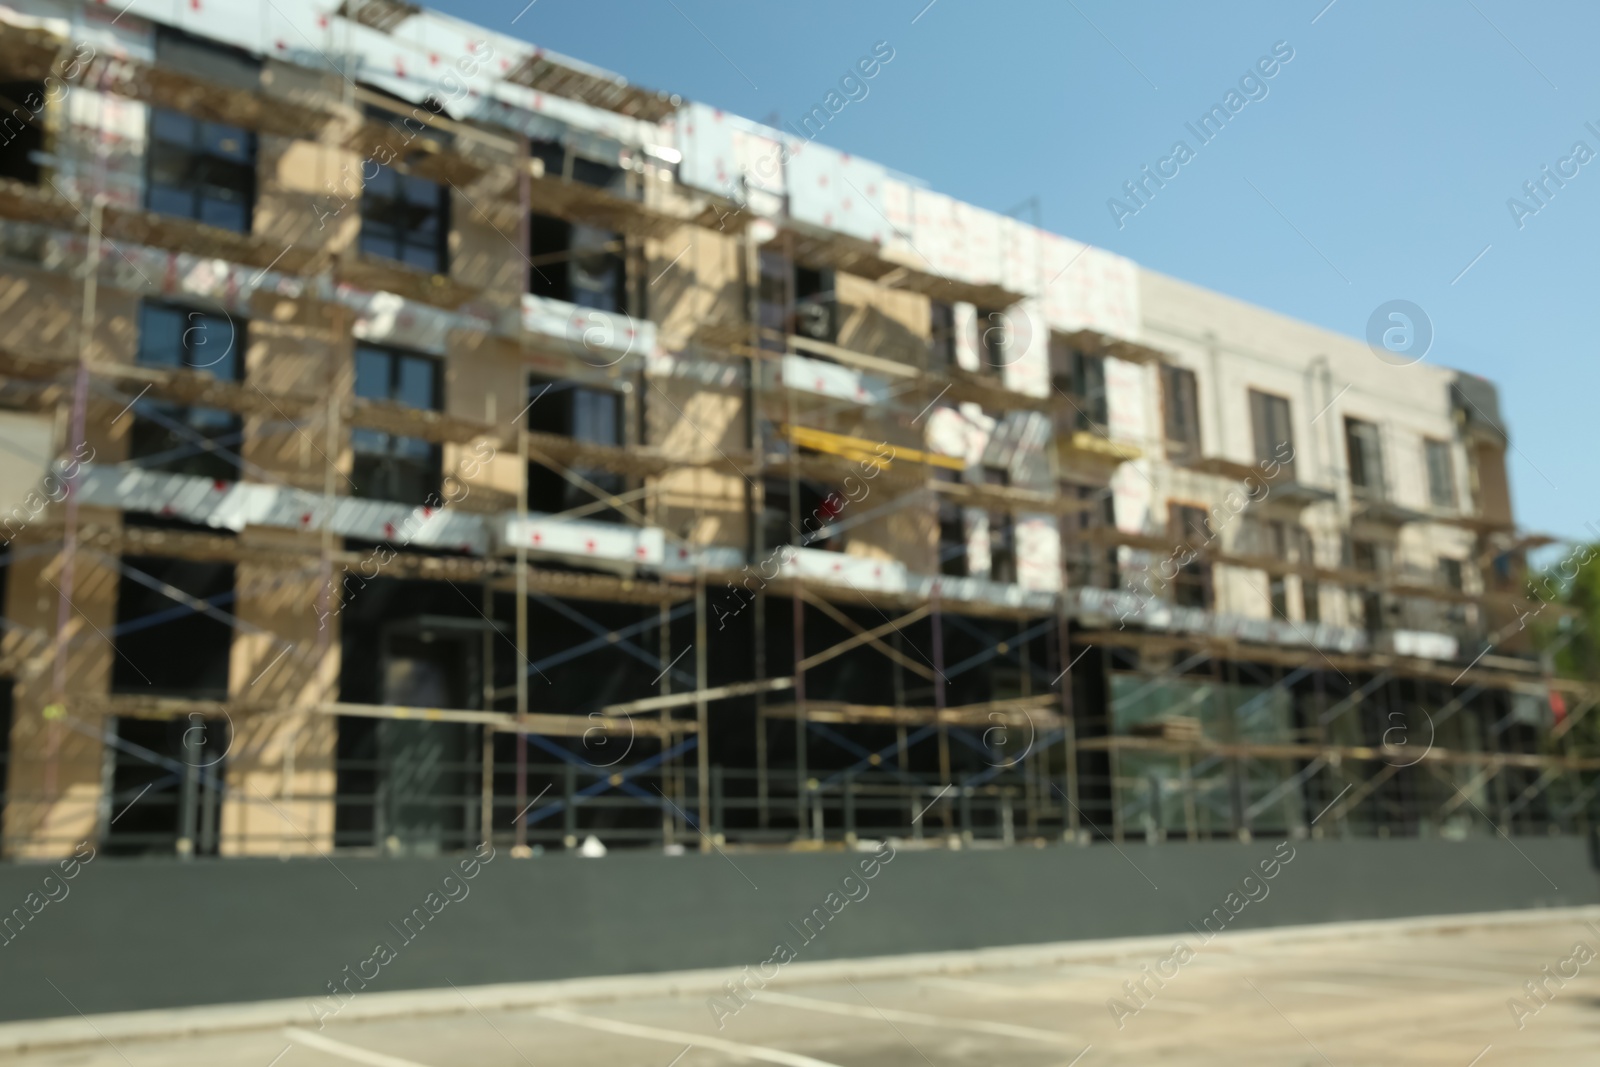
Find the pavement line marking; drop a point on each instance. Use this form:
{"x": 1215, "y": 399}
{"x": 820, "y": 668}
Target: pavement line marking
{"x": 917, "y": 1018}
{"x": 344, "y": 1051}
{"x": 679, "y": 1037}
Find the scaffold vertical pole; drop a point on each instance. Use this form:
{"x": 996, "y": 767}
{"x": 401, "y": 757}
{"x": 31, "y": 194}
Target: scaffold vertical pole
{"x": 799, "y": 710}
{"x": 702, "y": 718}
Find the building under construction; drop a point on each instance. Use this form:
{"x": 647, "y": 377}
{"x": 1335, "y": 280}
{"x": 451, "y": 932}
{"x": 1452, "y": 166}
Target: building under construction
{"x": 412, "y": 437}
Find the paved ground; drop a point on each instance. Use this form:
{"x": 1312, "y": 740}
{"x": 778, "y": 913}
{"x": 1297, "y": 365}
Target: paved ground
{"x": 1423, "y": 996}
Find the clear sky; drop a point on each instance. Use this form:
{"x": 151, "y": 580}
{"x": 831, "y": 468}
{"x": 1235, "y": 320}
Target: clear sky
{"x": 1377, "y": 167}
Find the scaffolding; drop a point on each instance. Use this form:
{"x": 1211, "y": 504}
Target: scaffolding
{"x": 841, "y": 697}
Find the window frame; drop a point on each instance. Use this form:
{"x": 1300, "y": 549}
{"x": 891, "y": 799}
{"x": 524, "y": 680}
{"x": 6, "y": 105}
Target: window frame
{"x": 1191, "y": 584}
{"x": 546, "y": 486}
{"x": 228, "y": 425}
{"x": 386, "y": 454}
{"x": 1432, "y": 447}
{"x": 1265, "y": 407}
{"x": 196, "y": 149}
{"x": 367, "y": 243}
{"x": 1360, "y": 435}
{"x": 24, "y": 136}
{"x": 1180, "y": 409}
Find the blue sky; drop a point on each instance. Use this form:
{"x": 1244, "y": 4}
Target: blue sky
{"x": 1388, "y": 148}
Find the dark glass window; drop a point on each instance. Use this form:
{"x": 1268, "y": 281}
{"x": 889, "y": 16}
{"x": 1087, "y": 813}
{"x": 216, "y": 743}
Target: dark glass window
{"x": 1367, "y": 556}
{"x": 1191, "y": 586}
{"x": 575, "y": 262}
{"x": 200, "y": 170}
{"x": 952, "y": 530}
{"x": 1082, "y": 379}
{"x": 390, "y": 466}
{"x": 941, "y": 336}
{"x": 1090, "y": 564}
{"x": 164, "y": 646}
{"x": 1002, "y": 534}
{"x": 993, "y": 333}
{"x": 172, "y": 768}
{"x": 183, "y": 438}
{"x": 815, "y": 305}
{"x": 407, "y": 219}
{"x": 21, "y": 130}
{"x": 594, "y": 416}
{"x": 561, "y": 162}
{"x": 809, "y": 524}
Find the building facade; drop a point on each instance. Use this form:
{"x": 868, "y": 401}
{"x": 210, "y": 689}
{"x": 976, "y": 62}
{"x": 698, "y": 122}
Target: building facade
{"x": 412, "y": 437}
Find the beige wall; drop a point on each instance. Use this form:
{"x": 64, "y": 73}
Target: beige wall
{"x": 53, "y": 792}
{"x": 285, "y": 662}
{"x": 1234, "y": 347}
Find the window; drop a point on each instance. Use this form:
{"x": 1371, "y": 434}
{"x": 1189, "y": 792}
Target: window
{"x": 772, "y": 299}
{"x": 1263, "y": 538}
{"x": 21, "y": 130}
{"x": 1191, "y": 525}
{"x": 1181, "y": 410}
{"x": 1191, "y": 585}
{"x": 815, "y": 305}
{"x": 1368, "y": 556}
{"x": 1278, "y": 538}
{"x": 406, "y": 219}
{"x": 1082, "y": 378}
{"x": 1280, "y": 597}
{"x": 578, "y": 263}
{"x": 952, "y": 530}
{"x": 941, "y": 336}
{"x": 994, "y": 330}
{"x": 1365, "y": 454}
{"x": 1450, "y": 575}
{"x": 389, "y": 466}
{"x": 182, "y": 438}
{"x": 198, "y": 170}
{"x": 1090, "y": 565}
{"x": 178, "y": 794}
{"x": 1310, "y": 600}
{"x": 1274, "y": 436}
{"x": 1441, "y": 473}
{"x": 165, "y": 647}
{"x": 815, "y": 512}
{"x": 560, "y": 161}
{"x": 594, "y": 416}
{"x": 1002, "y": 534}
{"x": 1372, "y": 611}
